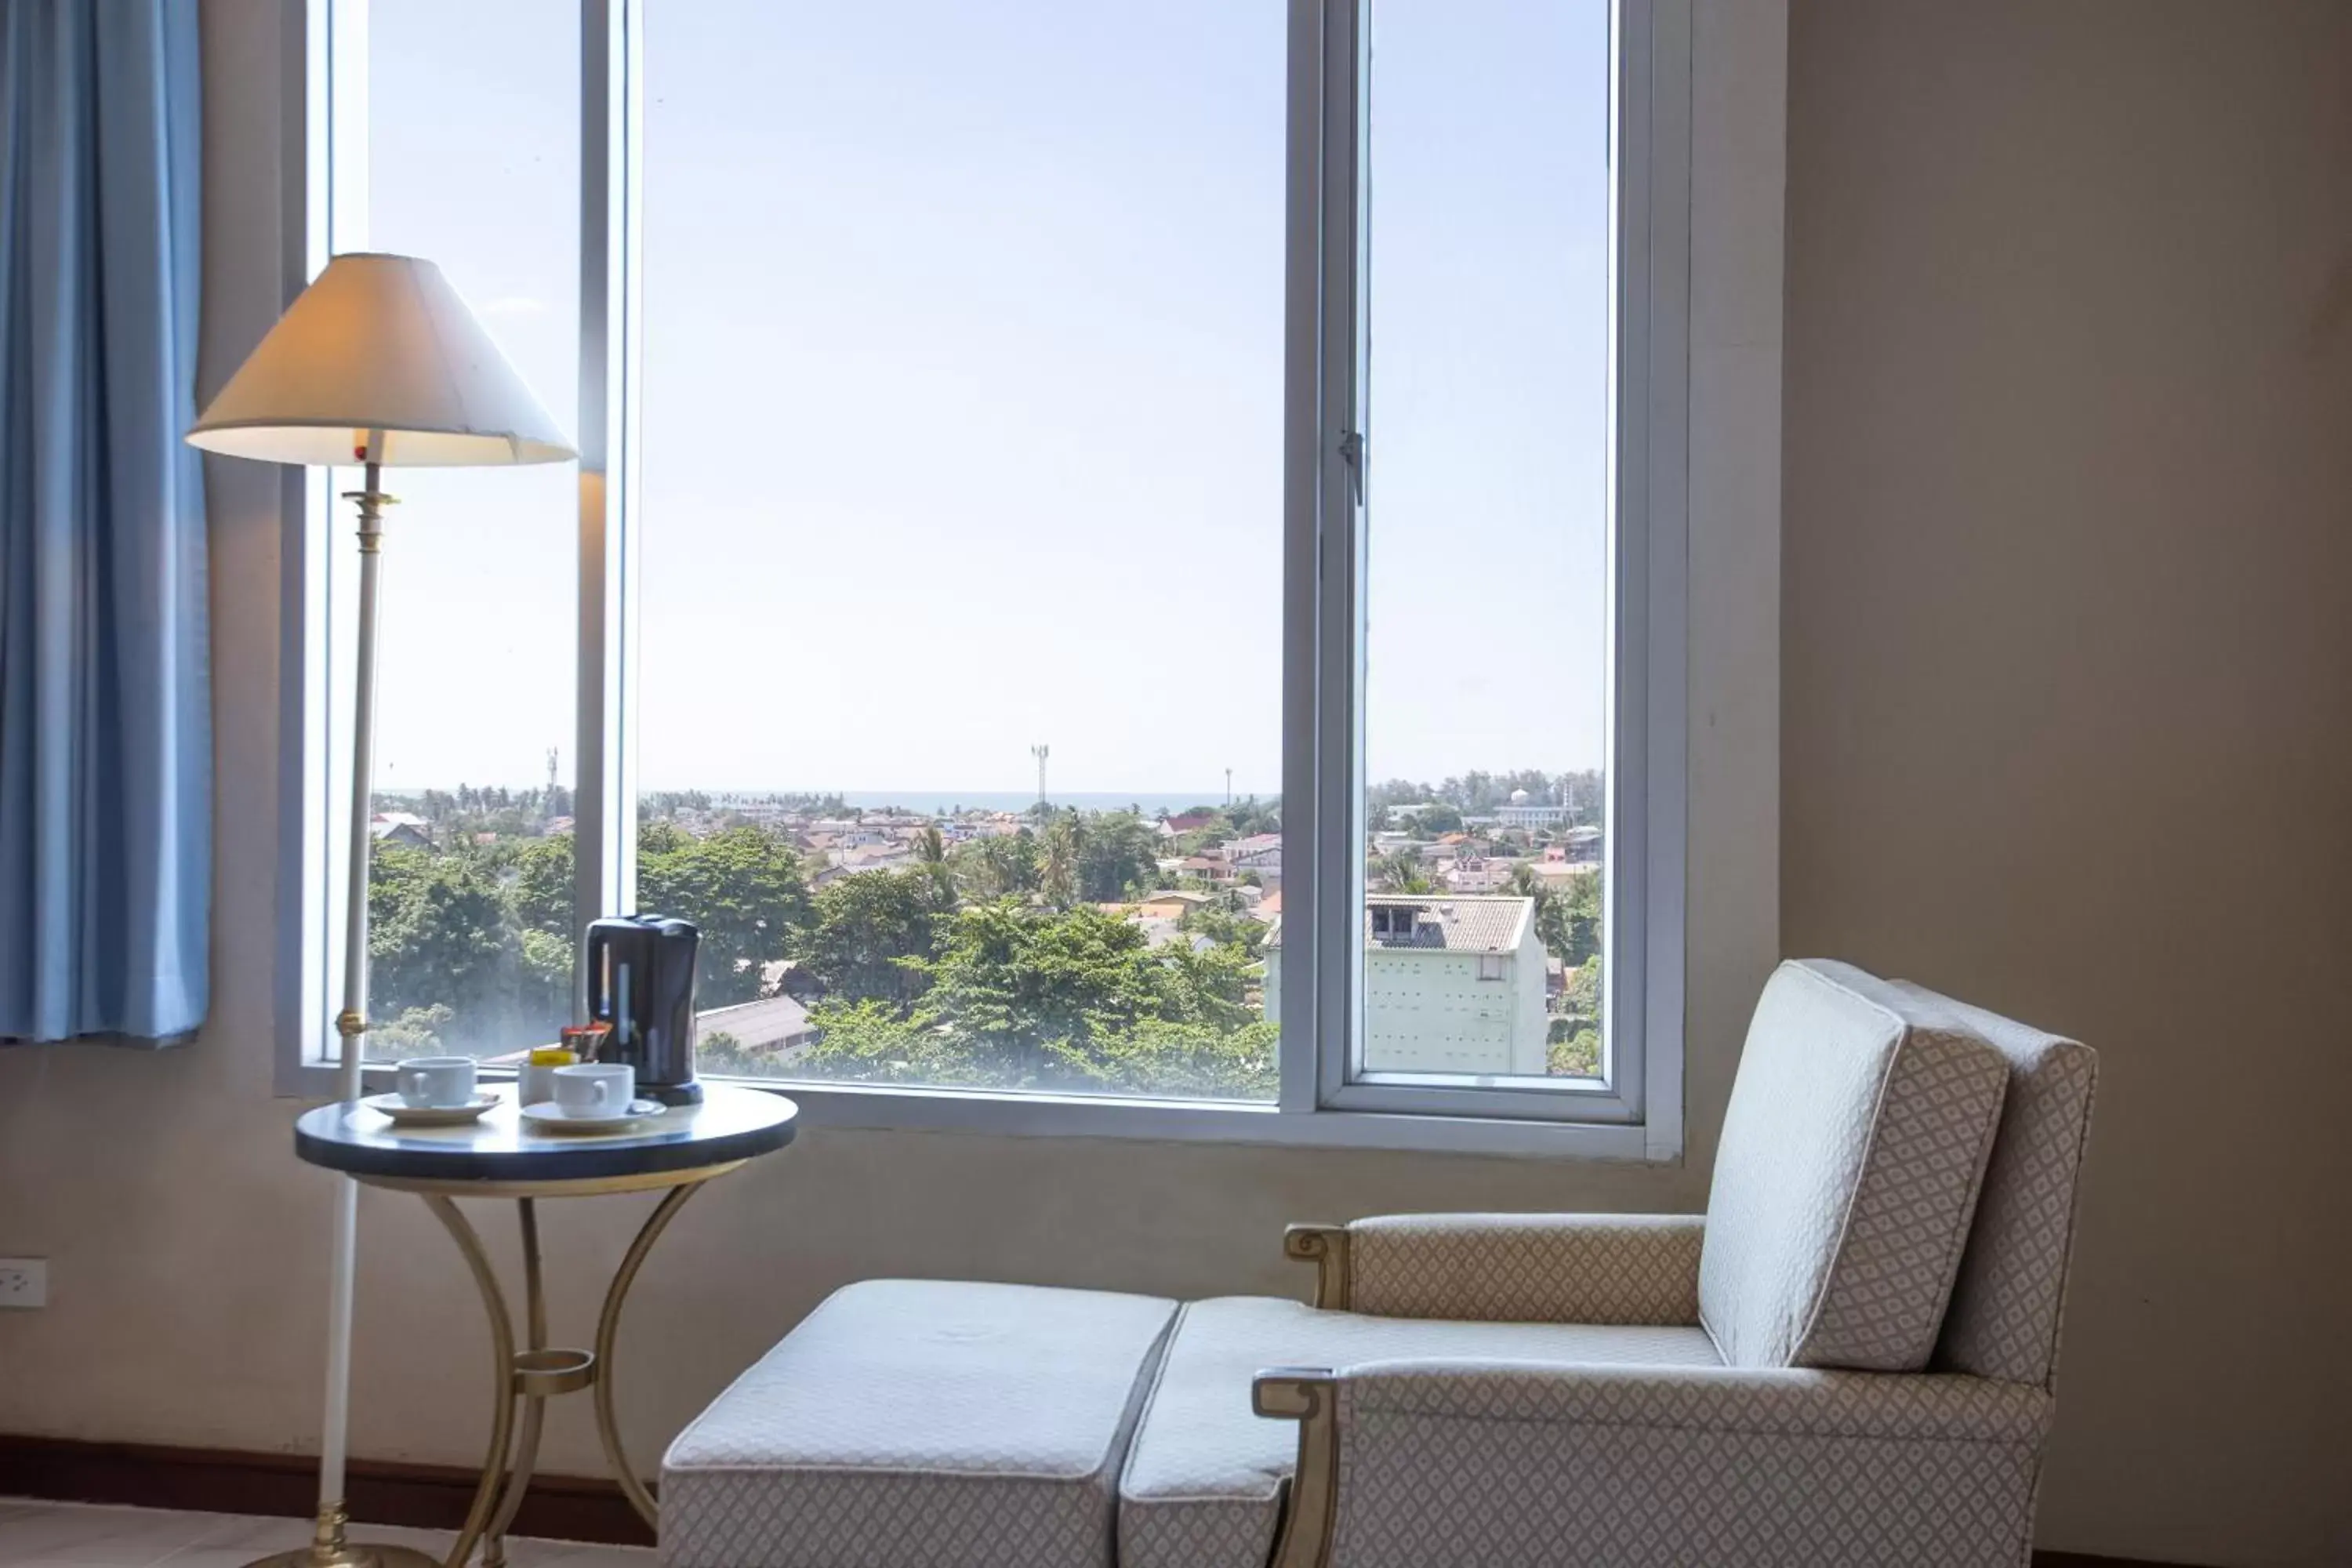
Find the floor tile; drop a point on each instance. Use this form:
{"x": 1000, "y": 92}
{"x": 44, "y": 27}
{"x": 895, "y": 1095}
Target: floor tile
{"x": 62, "y": 1533}
{"x": 75, "y": 1535}
{"x": 572, "y": 1554}
{"x": 234, "y": 1541}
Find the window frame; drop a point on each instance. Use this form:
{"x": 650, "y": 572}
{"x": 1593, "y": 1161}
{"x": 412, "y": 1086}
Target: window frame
{"x": 1644, "y": 713}
{"x": 1636, "y": 1112}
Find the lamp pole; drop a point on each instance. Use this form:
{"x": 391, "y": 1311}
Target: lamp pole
{"x": 329, "y": 1548}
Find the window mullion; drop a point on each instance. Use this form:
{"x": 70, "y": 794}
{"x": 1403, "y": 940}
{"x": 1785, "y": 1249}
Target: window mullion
{"x": 1321, "y": 957}
{"x": 1664, "y": 358}
{"x": 1338, "y": 720}
{"x": 605, "y": 840}
{"x": 1303, "y": 424}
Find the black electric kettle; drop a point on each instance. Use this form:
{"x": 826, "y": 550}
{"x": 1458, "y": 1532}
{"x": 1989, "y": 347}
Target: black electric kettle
{"x": 641, "y": 985}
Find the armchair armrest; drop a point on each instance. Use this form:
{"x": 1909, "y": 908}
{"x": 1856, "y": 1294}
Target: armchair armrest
{"x": 1560, "y": 1269}
{"x": 1438, "y": 1464}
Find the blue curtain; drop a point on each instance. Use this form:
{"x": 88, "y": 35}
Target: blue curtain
{"x": 105, "y": 716}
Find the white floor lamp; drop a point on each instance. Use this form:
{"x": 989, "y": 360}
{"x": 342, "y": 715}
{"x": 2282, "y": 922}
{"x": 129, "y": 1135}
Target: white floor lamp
{"x": 378, "y": 363}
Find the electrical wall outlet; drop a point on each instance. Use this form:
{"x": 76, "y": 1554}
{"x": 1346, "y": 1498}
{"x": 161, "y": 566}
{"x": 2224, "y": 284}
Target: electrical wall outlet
{"x": 24, "y": 1281}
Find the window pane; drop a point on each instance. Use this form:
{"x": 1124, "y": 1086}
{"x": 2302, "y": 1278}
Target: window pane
{"x": 1486, "y": 302}
{"x": 472, "y": 159}
{"x": 962, "y": 436}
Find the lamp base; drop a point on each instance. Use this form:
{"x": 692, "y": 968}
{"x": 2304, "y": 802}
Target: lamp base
{"x": 357, "y": 1555}
{"x": 328, "y": 1549}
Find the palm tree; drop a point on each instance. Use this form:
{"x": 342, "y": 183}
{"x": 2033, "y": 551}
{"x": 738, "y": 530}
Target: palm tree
{"x": 932, "y": 865}
{"x": 1402, "y": 872}
{"x": 1554, "y": 928}
{"x": 998, "y": 867}
{"x": 1062, "y": 847}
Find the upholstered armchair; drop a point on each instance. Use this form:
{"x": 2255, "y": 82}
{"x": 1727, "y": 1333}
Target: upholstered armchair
{"x": 1833, "y": 1410}
{"x": 1847, "y": 1361}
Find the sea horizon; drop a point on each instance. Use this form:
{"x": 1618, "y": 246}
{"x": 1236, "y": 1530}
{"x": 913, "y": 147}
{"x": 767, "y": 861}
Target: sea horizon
{"x": 940, "y": 802}
{"x": 929, "y": 802}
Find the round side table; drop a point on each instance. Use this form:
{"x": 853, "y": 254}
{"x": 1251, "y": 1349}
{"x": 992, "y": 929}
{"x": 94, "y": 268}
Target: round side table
{"x": 502, "y": 1156}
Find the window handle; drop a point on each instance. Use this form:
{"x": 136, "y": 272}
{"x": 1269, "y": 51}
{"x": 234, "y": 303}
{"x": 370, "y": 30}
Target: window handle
{"x": 1352, "y": 453}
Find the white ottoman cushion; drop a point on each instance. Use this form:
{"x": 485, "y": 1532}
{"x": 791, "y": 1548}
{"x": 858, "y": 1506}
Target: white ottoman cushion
{"x": 913, "y": 1424}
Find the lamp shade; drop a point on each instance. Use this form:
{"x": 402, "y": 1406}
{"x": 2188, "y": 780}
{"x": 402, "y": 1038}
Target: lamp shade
{"x": 380, "y": 351}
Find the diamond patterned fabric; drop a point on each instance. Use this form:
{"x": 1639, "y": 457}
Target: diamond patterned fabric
{"x": 1556, "y": 1268}
{"x": 2004, "y": 1316}
{"x": 912, "y": 1424}
{"x": 1847, "y": 1175}
{"x": 1204, "y": 1484}
{"x": 1468, "y": 1467}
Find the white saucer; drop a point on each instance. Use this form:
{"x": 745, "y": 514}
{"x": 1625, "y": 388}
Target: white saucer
{"x": 549, "y": 1117}
{"x": 406, "y": 1115}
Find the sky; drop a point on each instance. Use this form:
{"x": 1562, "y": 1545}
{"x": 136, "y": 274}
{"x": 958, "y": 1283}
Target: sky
{"x": 961, "y": 410}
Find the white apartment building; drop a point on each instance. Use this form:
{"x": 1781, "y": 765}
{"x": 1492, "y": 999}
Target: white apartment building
{"x": 1453, "y": 983}
{"x": 1478, "y": 873}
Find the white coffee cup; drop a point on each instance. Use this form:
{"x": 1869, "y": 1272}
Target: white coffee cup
{"x": 595, "y": 1089}
{"x": 435, "y": 1082}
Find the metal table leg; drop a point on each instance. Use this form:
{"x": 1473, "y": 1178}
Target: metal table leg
{"x": 531, "y": 1376}
{"x": 503, "y": 1371}
{"x": 608, "y": 1329}
{"x": 525, "y": 1459}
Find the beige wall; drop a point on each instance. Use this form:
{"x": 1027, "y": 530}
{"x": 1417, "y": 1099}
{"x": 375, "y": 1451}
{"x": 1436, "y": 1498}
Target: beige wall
{"x": 2067, "y": 657}
{"x": 2069, "y": 507}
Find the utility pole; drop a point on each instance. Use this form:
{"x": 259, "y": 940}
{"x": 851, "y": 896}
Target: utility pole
{"x": 546, "y": 805}
{"x": 1039, "y": 753}
{"x": 1229, "y": 787}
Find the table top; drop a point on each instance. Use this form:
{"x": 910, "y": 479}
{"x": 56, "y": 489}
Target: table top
{"x": 685, "y": 1143}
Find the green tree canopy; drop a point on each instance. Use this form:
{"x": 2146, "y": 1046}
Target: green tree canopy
{"x": 542, "y": 887}
{"x": 440, "y": 934}
{"x": 863, "y": 931}
{"x": 741, "y": 886}
{"x": 1433, "y": 820}
{"x": 1118, "y": 855}
{"x": 1073, "y": 1000}
{"x": 1021, "y": 979}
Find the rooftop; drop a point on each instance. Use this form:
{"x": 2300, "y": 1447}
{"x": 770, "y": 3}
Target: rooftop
{"x": 1439, "y": 923}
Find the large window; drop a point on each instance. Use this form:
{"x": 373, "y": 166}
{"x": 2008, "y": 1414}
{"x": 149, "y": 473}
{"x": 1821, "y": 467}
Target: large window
{"x": 1115, "y": 573}
{"x": 470, "y": 157}
{"x": 962, "y": 436}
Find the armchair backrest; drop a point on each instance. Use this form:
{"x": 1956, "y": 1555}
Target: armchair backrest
{"x": 1847, "y": 1174}
{"x": 1894, "y": 1188}
{"x": 2007, "y": 1302}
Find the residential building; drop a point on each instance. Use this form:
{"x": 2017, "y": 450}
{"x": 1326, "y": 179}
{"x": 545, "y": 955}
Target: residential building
{"x": 1171, "y": 903}
{"x": 775, "y": 1027}
{"x": 1525, "y": 811}
{"x": 1452, "y": 985}
{"x": 1478, "y": 873}
{"x": 402, "y": 828}
{"x": 1259, "y": 856}
{"x": 1557, "y": 874}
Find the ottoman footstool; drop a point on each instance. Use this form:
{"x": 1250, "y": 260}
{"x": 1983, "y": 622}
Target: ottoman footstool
{"x": 919, "y": 1423}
